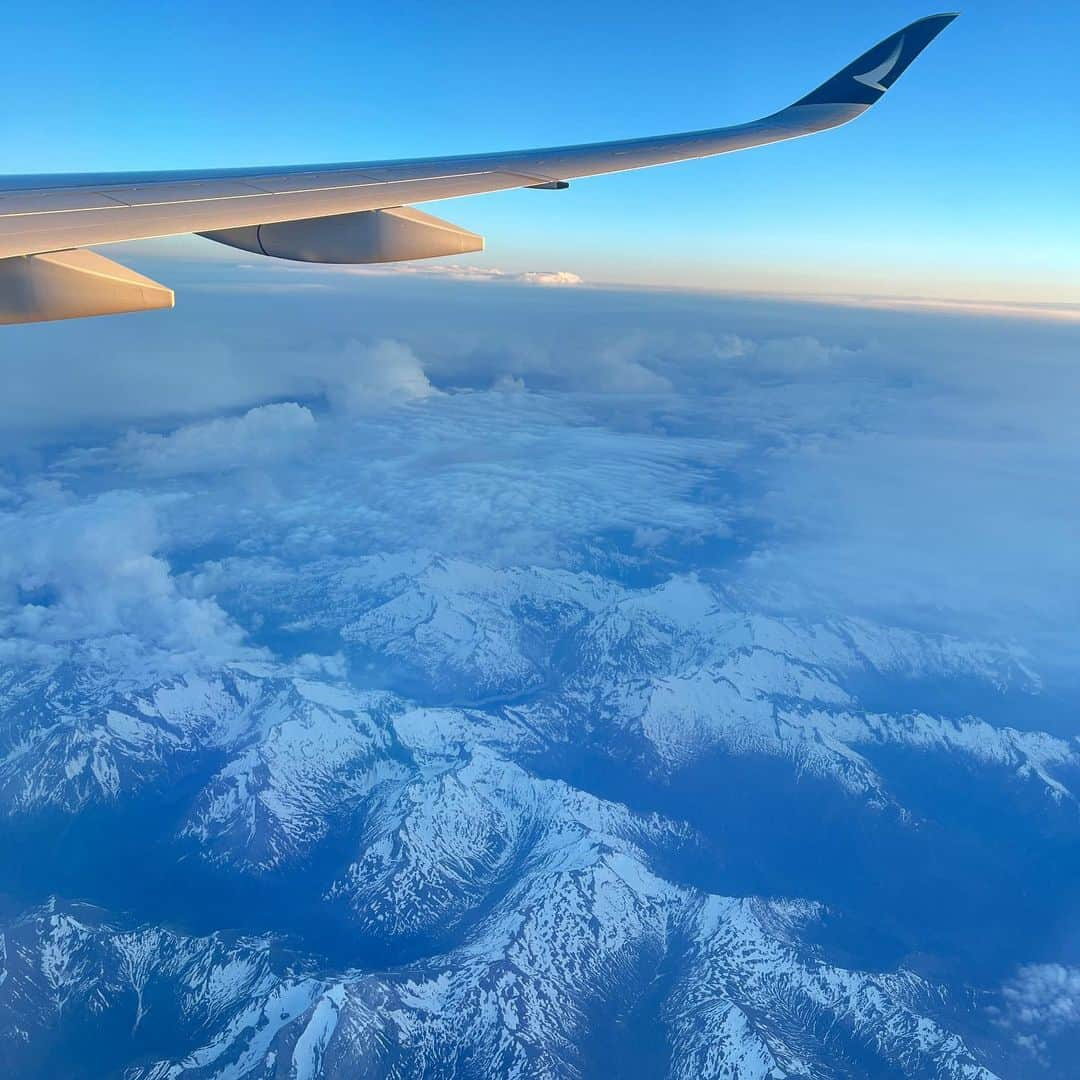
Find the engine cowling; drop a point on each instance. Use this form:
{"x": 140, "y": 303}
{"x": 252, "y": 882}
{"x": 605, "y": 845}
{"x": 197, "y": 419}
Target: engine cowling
{"x": 397, "y": 234}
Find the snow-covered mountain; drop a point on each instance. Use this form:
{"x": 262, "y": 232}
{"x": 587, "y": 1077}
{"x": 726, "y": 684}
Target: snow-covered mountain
{"x": 559, "y": 968}
{"x": 523, "y": 822}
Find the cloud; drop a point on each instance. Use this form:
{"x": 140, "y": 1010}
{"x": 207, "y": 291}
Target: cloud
{"x": 796, "y": 355}
{"x": 460, "y": 272}
{"x": 103, "y": 556}
{"x": 1040, "y": 1002}
{"x": 700, "y": 360}
{"x": 1005, "y": 309}
{"x": 225, "y": 351}
{"x": 1045, "y": 996}
{"x": 508, "y": 384}
{"x": 509, "y": 477}
{"x": 87, "y": 572}
{"x": 550, "y": 277}
{"x": 262, "y": 436}
{"x": 899, "y": 511}
{"x": 909, "y": 468}
{"x": 386, "y": 371}
{"x": 620, "y": 367}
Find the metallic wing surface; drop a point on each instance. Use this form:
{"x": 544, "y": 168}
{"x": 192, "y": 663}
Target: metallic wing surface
{"x": 348, "y": 213}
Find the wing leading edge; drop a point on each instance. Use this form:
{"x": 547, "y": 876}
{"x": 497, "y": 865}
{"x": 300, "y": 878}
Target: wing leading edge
{"x": 352, "y": 212}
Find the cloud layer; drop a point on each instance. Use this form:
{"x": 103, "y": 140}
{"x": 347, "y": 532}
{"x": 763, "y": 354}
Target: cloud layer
{"x": 911, "y": 468}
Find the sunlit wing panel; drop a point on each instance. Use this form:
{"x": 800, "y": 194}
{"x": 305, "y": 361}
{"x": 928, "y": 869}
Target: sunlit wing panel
{"x": 49, "y": 214}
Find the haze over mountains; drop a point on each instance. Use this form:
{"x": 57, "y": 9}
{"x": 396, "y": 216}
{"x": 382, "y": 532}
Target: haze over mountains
{"x": 587, "y": 699}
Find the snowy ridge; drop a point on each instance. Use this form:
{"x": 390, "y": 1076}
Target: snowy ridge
{"x": 410, "y": 779}
{"x": 751, "y": 998}
{"x": 594, "y": 927}
{"x": 677, "y": 667}
{"x": 70, "y": 737}
{"x": 69, "y": 966}
{"x": 467, "y": 629}
{"x": 279, "y": 796}
{"x": 445, "y": 842}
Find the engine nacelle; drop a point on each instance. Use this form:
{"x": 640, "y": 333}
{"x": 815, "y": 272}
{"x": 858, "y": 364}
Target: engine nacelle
{"x": 371, "y": 236}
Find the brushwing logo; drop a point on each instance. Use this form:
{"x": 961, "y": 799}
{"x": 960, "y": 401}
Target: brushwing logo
{"x": 873, "y": 77}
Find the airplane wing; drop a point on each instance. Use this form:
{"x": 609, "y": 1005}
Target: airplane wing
{"x": 349, "y": 213}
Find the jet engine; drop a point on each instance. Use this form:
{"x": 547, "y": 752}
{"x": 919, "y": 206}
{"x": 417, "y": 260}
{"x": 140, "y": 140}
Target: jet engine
{"x": 397, "y": 234}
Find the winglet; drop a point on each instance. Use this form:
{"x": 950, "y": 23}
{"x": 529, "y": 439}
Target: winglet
{"x": 866, "y": 79}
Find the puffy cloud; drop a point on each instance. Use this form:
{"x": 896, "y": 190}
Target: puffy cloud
{"x": 88, "y": 562}
{"x": 647, "y": 536}
{"x": 262, "y": 436}
{"x": 1043, "y": 996}
{"x": 1039, "y": 1002}
{"x": 619, "y": 367}
{"x": 508, "y": 384}
{"x": 227, "y": 349}
{"x": 550, "y": 277}
{"x": 387, "y": 371}
{"x": 88, "y": 572}
{"x": 796, "y": 355}
{"x": 702, "y": 361}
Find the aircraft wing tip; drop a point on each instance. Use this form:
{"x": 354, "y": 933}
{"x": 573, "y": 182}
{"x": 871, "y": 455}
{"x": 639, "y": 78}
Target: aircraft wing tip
{"x": 865, "y": 80}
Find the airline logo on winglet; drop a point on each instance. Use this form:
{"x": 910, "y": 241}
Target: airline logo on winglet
{"x": 873, "y": 77}
{"x": 865, "y": 79}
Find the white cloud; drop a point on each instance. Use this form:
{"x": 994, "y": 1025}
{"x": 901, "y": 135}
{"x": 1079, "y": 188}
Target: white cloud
{"x": 464, "y": 272}
{"x": 868, "y": 463}
{"x": 368, "y": 375}
{"x": 508, "y": 384}
{"x": 78, "y": 571}
{"x": 1045, "y": 996}
{"x": 620, "y": 367}
{"x": 510, "y": 477}
{"x": 1040, "y": 1002}
{"x": 518, "y": 478}
{"x": 965, "y": 531}
{"x": 705, "y": 359}
{"x": 550, "y": 277}
{"x": 796, "y": 355}
{"x": 262, "y": 436}
{"x": 648, "y": 536}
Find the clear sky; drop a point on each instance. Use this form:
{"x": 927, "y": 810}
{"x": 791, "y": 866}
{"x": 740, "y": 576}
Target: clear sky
{"x": 961, "y": 183}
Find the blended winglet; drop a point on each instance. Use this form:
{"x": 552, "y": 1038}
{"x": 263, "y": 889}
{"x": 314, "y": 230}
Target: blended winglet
{"x": 864, "y": 80}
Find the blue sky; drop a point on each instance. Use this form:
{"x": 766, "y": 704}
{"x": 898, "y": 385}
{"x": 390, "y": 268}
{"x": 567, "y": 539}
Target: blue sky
{"x": 960, "y": 184}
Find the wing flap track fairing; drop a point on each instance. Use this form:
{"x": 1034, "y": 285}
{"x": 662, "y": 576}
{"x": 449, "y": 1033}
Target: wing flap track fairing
{"x": 73, "y": 285}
